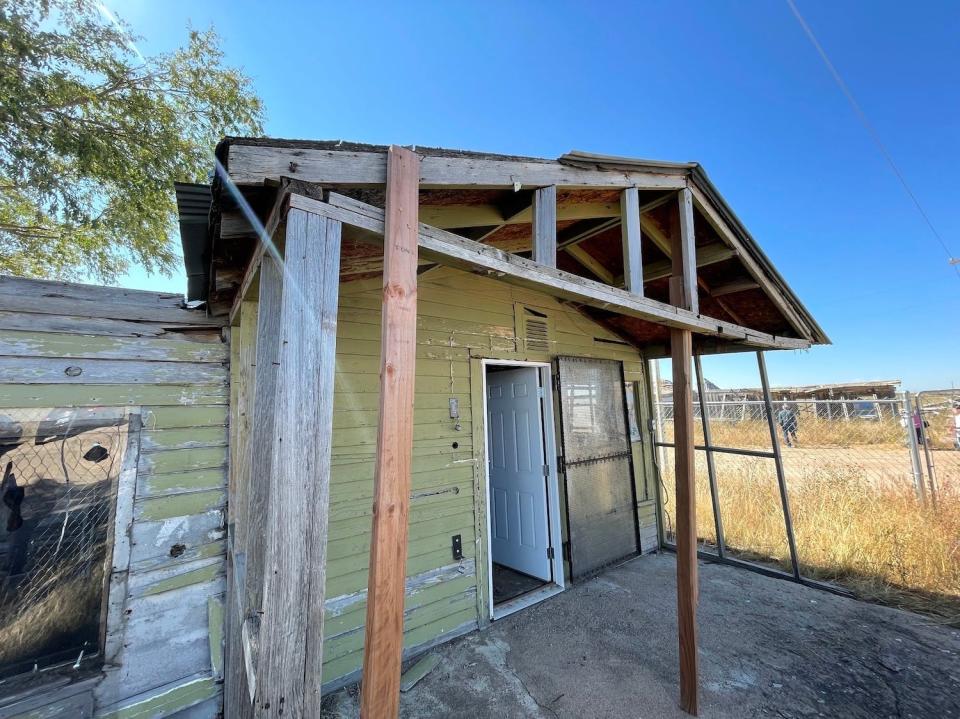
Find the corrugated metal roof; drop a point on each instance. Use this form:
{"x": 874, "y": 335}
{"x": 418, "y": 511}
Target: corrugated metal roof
{"x": 193, "y": 208}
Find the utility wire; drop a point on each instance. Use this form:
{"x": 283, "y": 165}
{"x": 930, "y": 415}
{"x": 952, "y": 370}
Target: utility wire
{"x": 861, "y": 115}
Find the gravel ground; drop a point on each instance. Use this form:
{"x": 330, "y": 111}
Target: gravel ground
{"x": 768, "y": 648}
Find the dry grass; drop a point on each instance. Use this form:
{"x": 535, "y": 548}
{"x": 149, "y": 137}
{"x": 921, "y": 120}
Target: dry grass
{"x": 872, "y": 537}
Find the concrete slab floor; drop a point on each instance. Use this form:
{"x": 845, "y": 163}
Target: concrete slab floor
{"x": 768, "y": 648}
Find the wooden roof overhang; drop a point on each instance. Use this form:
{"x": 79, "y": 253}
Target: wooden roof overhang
{"x": 476, "y": 213}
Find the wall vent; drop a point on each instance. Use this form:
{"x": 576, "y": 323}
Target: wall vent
{"x": 535, "y": 329}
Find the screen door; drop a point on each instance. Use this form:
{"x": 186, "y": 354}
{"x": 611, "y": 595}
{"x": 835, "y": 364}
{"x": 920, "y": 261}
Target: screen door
{"x": 598, "y": 466}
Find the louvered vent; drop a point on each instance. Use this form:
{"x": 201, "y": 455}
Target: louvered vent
{"x": 536, "y": 331}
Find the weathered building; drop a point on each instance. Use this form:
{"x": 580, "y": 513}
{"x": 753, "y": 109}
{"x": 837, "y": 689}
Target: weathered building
{"x": 439, "y": 399}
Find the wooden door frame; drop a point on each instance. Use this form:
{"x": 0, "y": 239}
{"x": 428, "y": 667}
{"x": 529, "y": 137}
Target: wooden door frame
{"x": 484, "y": 517}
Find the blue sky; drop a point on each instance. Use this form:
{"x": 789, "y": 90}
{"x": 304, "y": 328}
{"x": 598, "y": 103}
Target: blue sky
{"x": 735, "y": 86}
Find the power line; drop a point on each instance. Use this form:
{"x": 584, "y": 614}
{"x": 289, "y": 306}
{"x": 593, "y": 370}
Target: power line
{"x": 861, "y": 115}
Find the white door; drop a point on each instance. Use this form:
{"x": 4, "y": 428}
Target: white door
{"x": 519, "y": 537}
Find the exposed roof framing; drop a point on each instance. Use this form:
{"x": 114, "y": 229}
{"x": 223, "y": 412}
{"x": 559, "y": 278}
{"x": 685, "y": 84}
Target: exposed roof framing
{"x": 489, "y": 198}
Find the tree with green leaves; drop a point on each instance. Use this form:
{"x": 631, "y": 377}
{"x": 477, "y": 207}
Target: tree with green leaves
{"x": 93, "y": 135}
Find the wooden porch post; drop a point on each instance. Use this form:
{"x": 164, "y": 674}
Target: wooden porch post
{"x": 383, "y": 641}
{"x": 683, "y": 289}
{"x": 295, "y": 546}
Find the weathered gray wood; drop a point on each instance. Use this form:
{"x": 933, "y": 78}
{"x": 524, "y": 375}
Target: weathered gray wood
{"x": 251, "y": 165}
{"x": 54, "y": 370}
{"x": 260, "y": 455}
{"x": 65, "y": 305}
{"x": 23, "y": 343}
{"x": 73, "y": 324}
{"x": 630, "y": 235}
{"x": 686, "y": 248}
{"x": 291, "y": 630}
{"x": 450, "y": 249}
{"x": 545, "y": 226}
{"x": 96, "y": 293}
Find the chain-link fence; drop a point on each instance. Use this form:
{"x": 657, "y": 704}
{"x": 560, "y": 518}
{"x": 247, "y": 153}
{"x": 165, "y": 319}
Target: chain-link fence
{"x": 872, "y": 488}
{"x": 60, "y": 469}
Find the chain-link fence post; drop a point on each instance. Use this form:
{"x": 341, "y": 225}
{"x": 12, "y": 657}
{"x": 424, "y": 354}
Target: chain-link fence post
{"x": 931, "y": 473}
{"x": 911, "y": 430}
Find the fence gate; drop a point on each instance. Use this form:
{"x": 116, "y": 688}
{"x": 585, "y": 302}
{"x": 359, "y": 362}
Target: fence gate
{"x": 598, "y": 464}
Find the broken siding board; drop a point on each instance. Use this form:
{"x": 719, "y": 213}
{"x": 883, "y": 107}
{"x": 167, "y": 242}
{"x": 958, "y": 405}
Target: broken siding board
{"x": 95, "y": 293}
{"x": 190, "y": 438}
{"x": 107, "y": 310}
{"x": 79, "y": 325}
{"x": 153, "y": 540}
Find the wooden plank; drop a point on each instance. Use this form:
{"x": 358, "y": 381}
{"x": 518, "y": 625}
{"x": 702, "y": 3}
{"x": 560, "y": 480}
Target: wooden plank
{"x": 247, "y": 438}
{"x": 61, "y": 305}
{"x": 97, "y": 293}
{"x": 251, "y": 165}
{"x": 54, "y": 370}
{"x": 383, "y": 643}
{"x": 47, "y": 344}
{"x": 685, "y": 253}
{"x": 74, "y": 324}
{"x": 685, "y": 468}
{"x": 732, "y": 288}
{"x": 591, "y": 263}
{"x": 455, "y": 251}
{"x": 630, "y": 237}
{"x": 545, "y": 226}
{"x": 291, "y": 629}
{"x": 260, "y": 458}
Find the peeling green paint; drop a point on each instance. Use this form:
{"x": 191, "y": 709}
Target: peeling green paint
{"x": 179, "y": 505}
{"x": 167, "y": 702}
{"x": 215, "y": 623}
{"x": 194, "y": 576}
{"x": 158, "y": 485}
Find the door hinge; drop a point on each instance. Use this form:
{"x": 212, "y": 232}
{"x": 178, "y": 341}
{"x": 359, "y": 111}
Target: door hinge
{"x": 549, "y": 552}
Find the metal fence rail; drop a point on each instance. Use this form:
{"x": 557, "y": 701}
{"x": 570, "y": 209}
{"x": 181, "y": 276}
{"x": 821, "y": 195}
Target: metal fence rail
{"x": 761, "y": 464}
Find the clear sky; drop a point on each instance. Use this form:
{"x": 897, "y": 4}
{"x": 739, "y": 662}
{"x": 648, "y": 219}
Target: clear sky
{"x": 735, "y": 86}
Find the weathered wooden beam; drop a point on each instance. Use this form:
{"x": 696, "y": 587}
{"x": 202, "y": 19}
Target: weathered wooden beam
{"x": 449, "y": 249}
{"x": 591, "y": 263}
{"x": 732, "y": 288}
{"x": 545, "y": 226}
{"x": 684, "y": 255}
{"x": 291, "y": 629}
{"x": 383, "y": 634}
{"x": 260, "y": 456}
{"x": 630, "y": 237}
{"x": 251, "y": 165}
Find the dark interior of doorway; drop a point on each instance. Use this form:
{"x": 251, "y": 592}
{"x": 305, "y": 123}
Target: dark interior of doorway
{"x": 509, "y": 583}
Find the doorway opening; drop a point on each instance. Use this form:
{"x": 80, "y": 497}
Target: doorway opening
{"x": 523, "y": 527}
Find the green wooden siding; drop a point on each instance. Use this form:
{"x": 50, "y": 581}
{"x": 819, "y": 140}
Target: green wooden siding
{"x": 460, "y": 317}
{"x": 178, "y": 383}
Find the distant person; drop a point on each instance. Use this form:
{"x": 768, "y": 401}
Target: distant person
{"x": 918, "y": 424}
{"x": 788, "y": 421}
{"x": 956, "y": 425}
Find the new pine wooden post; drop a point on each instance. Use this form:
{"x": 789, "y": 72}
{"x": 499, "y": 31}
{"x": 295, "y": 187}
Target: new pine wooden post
{"x": 383, "y": 640}
{"x": 682, "y": 294}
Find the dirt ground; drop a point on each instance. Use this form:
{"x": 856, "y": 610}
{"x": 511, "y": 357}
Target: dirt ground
{"x": 768, "y": 648}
